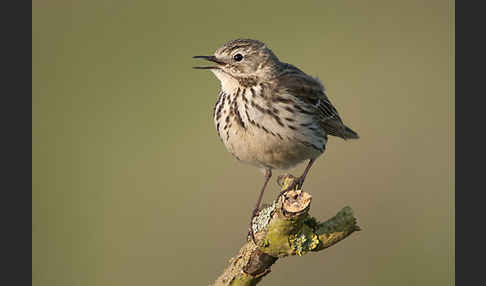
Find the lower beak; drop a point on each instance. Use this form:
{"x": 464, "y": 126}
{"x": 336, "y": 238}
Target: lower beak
{"x": 211, "y": 59}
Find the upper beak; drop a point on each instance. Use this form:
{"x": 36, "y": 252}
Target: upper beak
{"x": 211, "y": 59}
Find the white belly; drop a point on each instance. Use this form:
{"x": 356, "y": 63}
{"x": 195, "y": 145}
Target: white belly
{"x": 259, "y": 148}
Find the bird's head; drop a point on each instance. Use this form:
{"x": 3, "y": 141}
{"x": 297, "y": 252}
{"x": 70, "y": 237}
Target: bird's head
{"x": 243, "y": 60}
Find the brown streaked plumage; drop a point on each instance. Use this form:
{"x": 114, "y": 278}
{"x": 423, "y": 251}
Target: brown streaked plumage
{"x": 269, "y": 113}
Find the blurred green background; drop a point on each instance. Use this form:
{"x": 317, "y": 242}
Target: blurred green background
{"x": 131, "y": 185}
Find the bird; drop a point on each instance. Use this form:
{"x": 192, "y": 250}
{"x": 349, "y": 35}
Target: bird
{"x": 270, "y": 114}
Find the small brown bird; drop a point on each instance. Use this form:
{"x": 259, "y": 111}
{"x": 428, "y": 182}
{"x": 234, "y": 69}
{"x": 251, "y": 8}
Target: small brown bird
{"x": 270, "y": 114}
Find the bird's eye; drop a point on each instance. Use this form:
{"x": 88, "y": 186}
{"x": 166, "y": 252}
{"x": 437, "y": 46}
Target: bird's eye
{"x": 238, "y": 57}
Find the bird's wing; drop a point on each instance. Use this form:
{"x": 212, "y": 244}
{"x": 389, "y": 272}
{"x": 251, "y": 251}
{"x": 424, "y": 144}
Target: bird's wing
{"x": 311, "y": 92}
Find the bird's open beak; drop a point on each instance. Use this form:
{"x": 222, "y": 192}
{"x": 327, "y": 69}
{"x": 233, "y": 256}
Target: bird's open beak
{"x": 211, "y": 59}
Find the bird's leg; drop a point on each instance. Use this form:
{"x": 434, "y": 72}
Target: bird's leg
{"x": 301, "y": 179}
{"x": 268, "y": 175}
{"x": 298, "y": 182}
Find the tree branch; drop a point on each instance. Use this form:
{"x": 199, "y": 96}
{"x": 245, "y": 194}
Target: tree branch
{"x": 282, "y": 229}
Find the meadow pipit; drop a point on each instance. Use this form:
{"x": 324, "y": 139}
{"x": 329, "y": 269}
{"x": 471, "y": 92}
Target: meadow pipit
{"x": 270, "y": 114}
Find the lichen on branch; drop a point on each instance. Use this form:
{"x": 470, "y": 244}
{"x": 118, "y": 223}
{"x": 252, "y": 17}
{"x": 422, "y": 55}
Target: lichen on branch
{"x": 285, "y": 228}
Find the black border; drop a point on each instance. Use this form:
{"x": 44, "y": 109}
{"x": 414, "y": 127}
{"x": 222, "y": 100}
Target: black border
{"x": 16, "y": 138}
{"x": 469, "y": 152}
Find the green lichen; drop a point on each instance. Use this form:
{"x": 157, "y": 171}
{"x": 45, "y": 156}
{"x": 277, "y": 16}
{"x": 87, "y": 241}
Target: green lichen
{"x": 286, "y": 181}
{"x": 244, "y": 279}
{"x": 264, "y": 243}
{"x": 276, "y": 241}
{"x": 304, "y": 241}
{"x": 311, "y": 222}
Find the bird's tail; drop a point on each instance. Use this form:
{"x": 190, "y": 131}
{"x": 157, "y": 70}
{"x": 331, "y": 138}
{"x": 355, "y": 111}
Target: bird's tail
{"x": 338, "y": 129}
{"x": 349, "y": 133}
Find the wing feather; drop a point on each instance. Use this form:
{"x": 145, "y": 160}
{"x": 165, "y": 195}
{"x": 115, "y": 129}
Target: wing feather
{"x": 311, "y": 92}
